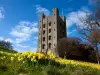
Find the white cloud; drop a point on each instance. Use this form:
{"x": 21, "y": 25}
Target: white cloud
{"x": 25, "y": 48}
{"x": 17, "y": 46}
{"x": 33, "y": 49}
{"x": 23, "y": 31}
{"x": 74, "y": 17}
{"x": 22, "y": 46}
{"x": 1, "y": 13}
{"x": 1, "y": 38}
{"x": 9, "y": 39}
{"x": 20, "y": 40}
{"x": 40, "y": 10}
{"x": 6, "y": 39}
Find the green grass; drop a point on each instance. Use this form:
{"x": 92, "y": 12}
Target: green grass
{"x": 19, "y": 68}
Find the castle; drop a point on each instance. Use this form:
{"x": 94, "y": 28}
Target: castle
{"x": 52, "y": 36}
{"x": 51, "y": 29}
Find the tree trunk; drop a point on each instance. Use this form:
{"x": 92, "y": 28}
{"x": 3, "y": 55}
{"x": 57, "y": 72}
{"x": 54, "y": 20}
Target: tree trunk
{"x": 97, "y": 55}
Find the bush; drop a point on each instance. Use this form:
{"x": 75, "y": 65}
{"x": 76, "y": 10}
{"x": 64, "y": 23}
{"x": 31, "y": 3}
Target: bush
{"x": 72, "y": 48}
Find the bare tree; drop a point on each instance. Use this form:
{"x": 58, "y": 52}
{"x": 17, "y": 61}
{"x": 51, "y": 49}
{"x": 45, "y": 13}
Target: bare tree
{"x": 90, "y": 27}
{"x": 90, "y": 31}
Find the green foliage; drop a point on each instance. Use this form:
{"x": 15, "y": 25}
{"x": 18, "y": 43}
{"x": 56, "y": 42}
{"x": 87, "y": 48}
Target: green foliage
{"x": 6, "y": 46}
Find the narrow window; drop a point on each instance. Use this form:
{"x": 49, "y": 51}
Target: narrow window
{"x": 49, "y": 23}
{"x": 49, "y": 30}
{"x": 43, "y": 46}
{"x": 44, "y": 32}
{"x": 43, "y": 38}
{"x": 60, "y": 24}
{"x": 43, "y": 25}
{"x": 49, "y": 37}
{"x": 49, "y": 45}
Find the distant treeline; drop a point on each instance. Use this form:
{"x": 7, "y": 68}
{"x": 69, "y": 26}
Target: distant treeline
{"x": 6, "y": 46}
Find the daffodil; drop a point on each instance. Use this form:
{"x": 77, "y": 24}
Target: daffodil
{"x": 49, "y": 52}
{"x": 20, "y": 58}
{"x": 15, "y": 55}
{"x": 29, "y": 56}
{"x": 32, "y": 59}
{"x": 35, "y": 60}
{"x": 12, "y": 58}
{"x": 23, "y": 61}
{"x": 4, "y": 57}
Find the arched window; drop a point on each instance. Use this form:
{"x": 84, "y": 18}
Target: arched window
{"x": 49, "y": 30}
{"x": 49, "y": 45}
{"x": 43, "y": 25}
{"x": 49, "y": 37}
{"x": 43, "y": 38}
{"x": 43, "y": 46}
{"x": 49, "y": 23}
{"x": 43, "y": 31}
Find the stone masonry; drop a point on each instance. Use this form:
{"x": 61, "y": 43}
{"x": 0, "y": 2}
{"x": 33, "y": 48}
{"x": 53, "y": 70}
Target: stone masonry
{"x": 51, "y": 29}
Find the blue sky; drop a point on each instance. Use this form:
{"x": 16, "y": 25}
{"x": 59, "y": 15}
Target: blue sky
{"x": 19, "y": 19}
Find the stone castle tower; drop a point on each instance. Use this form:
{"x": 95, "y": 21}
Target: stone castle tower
{"x": 51, "y": 29}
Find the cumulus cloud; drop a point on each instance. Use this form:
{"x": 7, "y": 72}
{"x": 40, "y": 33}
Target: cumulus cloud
{"x": 1, "y": 13}
{"x": 9, "y": 39}
{"x": 40, "y": 9}
{"x": 13, "y": 42}
{"x": 74, "y": 17}
{"x": 24, "y": 30}
{"x": 33, "y": 49}
{"x": 22, "y": 46}
{"x": 6, "y": 39}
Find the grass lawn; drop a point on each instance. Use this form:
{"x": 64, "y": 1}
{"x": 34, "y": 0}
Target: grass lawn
{"x": 24, "y": 64}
